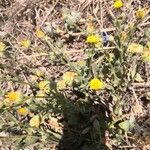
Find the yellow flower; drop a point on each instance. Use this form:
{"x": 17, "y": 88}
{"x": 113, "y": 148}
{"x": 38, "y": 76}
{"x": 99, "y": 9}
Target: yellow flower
{"x": 135, "y": 48}
{"x": 23, "y": 111}
{"x": 63, "y": 15}
{"x": 2, "y": 48}
{"x": 146, "y": 56}
{"x": 68, "y": 77}
{"x": 61, "y": 85}
{"x": 25, "y": 43}
{"x": 81, "y": 63}
{"x": 140, "y": 13}
{"x": 44, "y": 85}
{"x": 13, "y": 97}
{"x": 39, "y": 33}
{"x": 96, "y": 84}
{"x": 118, "y": 4}
{"x": 39, "y": 73}
{"x": 35, "y": 121}
{"x": 94, "y": 39}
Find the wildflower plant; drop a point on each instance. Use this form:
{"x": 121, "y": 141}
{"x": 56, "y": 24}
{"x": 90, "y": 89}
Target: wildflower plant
{"x": 82, "y": 95}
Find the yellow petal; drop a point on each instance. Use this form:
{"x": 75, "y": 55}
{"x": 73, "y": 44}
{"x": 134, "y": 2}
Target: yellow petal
{"x": 13, "y": 97}
{"x": 68, "y": 77}
{"x": 94, "y": 39}
{"x": 140, "y": 13}
{"x": 61, "y": 85}
{"x": 23, "y": 111}
{"x": 35, "y": 121}
{"x": 44, "y": 85}
{"x": 39, "y": 33}
{"x": 96, "y": 84}
{"x": 146, "y": 56}
{"x": 118, "y": 4}
{"x": 39, "y": 73}
{"x": 135, "y": 48}
{"x": 25, "y": 43}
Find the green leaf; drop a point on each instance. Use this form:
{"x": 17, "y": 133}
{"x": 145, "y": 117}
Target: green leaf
{"x": 86, "y": 130}
{"x": 147, "y": 32}
{"x": 138, "y": 78}
{"x": 132, "y": 121}
{"x": 125, "y": 125}
{"x": 133, "y": 71}
{"x": 30, "y": 140}
{"x": 96, "y": 126}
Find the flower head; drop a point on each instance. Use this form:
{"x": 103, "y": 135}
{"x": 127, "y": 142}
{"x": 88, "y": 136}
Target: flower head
{"x": 118, "y": 4}
{"x": 68, "y": 77}
{"x": 39, "y": 73}
{"x": 135, "y": 48}
{"x": 35, "y": 121}
{"x": 44, "y": 85}
{"x": 39, "y": 33}
{"x": 25, "y": 43}
{"x": 93, "y": 39}
{"x": 146, "y": 55}
{"x": 2, "y": 48}
{"x": 23, "y": 111}
{"x": 81, "y": 63}
{"x": 96, "y": 84}
{"x": 140, "y": 13}
{"x": 61, "y": 85}
{"x": 13, "y": 97}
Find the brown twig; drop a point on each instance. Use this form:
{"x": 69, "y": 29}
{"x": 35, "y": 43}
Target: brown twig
{"x": 141, "y": 85}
